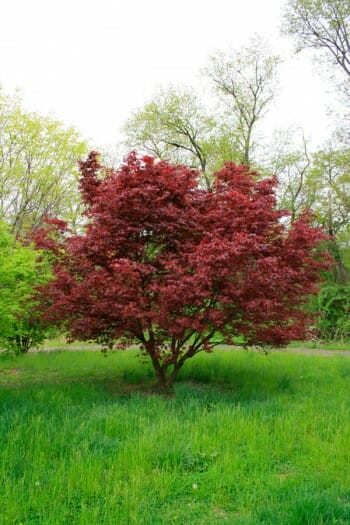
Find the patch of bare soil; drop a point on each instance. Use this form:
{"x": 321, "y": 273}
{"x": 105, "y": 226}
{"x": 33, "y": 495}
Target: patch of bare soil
{"x": 318, "y": 351}
{"x": 65, "y": 348}
{"x": 94, "y": 348}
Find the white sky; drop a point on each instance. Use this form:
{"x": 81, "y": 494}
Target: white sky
{"x": 90, "y": 63}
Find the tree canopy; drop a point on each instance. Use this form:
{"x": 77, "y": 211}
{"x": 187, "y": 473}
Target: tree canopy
{"x": 246, "y": 81}
{"x": 323, "y": 25}
{"x": 38, "y": 167}
{"x": 177, "y": 268}
{"x": 175, "y": 125}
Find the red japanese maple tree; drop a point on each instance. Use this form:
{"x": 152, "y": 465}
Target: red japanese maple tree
{"x": 178, "y": 269}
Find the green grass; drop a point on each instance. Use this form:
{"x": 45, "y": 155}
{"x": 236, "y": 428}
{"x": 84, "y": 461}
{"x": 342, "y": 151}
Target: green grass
{"x": 246, "y": 439}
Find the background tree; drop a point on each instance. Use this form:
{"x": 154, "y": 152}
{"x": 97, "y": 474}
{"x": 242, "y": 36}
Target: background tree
{"x": 246, "y": 81}
{"x": 21, "y": 272}
{"x": 323, "y": 25}
{"x": 291, "y": 162}
{"x": 174, "y": 126}
{"x": 320, "y": 181}
{"x": 38, "y": 167}
{"x": 330, "y": 175}
{"x": 169, "y": 265}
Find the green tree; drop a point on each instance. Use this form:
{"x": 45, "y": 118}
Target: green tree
{"x": 323, "y": 25}
{"x": 331, "y": 175}
{"x": 245, "y": 80}
{"x": 174, "y": 125}
{"x": 21, "y": 271}
{"x": 330, "y": 178}
{"x": 38, "y": 167}
{"x": 291, "y": 161}
{"x": 321, "y": 181}
{"x": 318, "y": 180}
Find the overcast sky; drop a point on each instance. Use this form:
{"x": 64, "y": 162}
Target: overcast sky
{"x": 91, "y": 63}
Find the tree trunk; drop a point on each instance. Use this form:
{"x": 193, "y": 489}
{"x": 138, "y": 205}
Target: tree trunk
{"x": 165, "y": 379}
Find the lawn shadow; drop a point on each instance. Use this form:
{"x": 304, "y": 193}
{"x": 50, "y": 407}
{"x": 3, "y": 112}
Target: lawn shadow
{"x": 235, "y": 376}
{"x": 248, "y": 375}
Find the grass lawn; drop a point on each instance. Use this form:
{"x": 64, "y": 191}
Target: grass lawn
{"x": 246, "y": 439}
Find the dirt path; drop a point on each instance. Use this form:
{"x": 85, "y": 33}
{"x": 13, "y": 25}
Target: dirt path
{"x": 317, "y": 351}
{"x": 95, "y": 348}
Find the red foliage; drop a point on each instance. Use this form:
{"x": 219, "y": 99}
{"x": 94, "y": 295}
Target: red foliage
{"x": 175, "y": 267}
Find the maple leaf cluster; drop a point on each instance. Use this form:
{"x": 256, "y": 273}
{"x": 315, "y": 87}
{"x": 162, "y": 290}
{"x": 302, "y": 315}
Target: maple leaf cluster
{"x": 177, "y": 268}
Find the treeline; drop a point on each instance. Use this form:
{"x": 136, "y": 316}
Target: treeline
{"x": 39, "y": 160}
{"x": 38, "y": 178}
{"x": 38, "y": 167}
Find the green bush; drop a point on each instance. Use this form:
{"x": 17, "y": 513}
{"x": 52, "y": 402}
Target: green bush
{"x": 333, "y": 303}
{"x": 22, "y": 270}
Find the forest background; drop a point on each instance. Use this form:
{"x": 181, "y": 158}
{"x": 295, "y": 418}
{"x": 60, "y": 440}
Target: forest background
{"x": 220, "y": 118}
